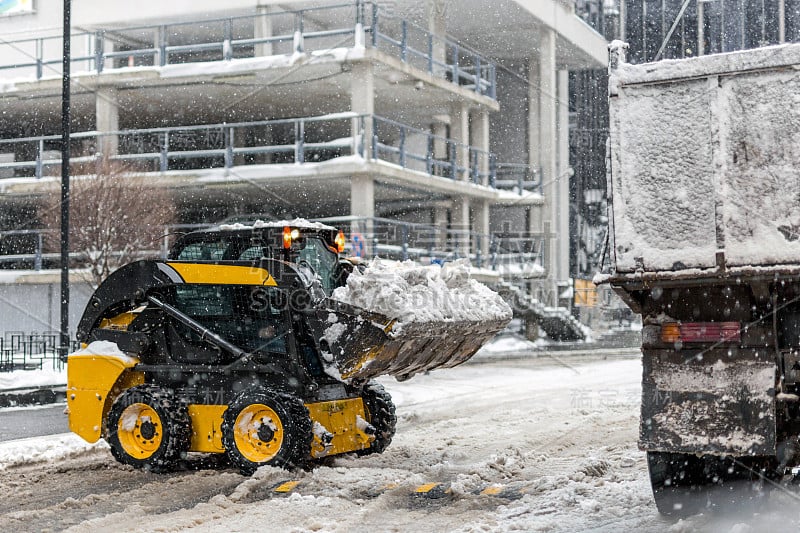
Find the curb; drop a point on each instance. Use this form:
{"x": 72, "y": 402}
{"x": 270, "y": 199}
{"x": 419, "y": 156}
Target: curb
{"x": 33, "y": 396}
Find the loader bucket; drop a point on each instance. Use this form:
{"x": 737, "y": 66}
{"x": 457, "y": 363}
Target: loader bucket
{"x": 372, "y": 345}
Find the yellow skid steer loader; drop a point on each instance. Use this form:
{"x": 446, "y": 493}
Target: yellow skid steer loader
{"x": 231, "y": 357}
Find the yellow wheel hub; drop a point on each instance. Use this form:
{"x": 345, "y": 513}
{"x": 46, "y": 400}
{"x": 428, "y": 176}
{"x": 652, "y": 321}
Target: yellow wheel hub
{"x": 258, "y": 433}
{"x": 140, "y": 430}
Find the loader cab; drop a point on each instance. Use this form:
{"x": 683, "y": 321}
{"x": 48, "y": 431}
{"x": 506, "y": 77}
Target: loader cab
{"x": 313, "y": 247}
{"x": 224, "y": 318}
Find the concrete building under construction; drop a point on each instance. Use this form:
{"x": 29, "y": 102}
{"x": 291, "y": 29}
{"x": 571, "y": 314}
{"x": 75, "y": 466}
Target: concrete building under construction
{"x": 424, "y": 126}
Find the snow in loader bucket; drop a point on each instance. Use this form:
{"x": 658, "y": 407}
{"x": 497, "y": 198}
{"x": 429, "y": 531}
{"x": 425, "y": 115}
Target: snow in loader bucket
{"x": 711, "y": 408}
{"x": 401, "y": 319}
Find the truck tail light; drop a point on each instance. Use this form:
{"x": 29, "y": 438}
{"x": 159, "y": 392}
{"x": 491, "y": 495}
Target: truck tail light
{"x": 701, "y": 332}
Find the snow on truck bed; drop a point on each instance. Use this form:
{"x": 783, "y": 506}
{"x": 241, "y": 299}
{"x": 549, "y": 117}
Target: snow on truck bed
{"x": 410, "y": 293}
{"x": 704, "y": 158}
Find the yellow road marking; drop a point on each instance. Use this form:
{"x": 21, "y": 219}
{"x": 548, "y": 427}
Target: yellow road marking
{"x": 492, "y": 490}
{"x": 427, "y": 487}
{"x": 286, "y": 487}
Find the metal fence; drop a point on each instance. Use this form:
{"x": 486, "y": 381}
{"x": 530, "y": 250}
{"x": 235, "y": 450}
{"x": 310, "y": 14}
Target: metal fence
{"x": 31, "y": 351}
{"x": 258, "y": 34}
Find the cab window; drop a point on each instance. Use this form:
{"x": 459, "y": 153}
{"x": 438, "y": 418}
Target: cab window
{"x": 322, "y": 260}
{"x": 203, "y": 251}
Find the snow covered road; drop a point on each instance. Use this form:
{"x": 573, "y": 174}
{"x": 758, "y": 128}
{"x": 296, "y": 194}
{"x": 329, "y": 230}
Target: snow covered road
{"x": 525, "y": 444}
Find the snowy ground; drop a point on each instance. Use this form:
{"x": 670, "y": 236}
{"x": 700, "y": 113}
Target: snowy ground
{"x": 525, "y": 444}
{"x": 20, "y": 379}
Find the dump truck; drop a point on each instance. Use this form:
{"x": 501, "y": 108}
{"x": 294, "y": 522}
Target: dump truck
{"x": 248, "y": 358}
{"x": 704, "y": 243}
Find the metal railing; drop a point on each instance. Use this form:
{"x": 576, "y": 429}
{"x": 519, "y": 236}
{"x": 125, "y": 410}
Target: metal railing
{"x": 511, "y": 254}
{"x": 255, "y": 35}
{"x": 295, "y": 140}
{"x": 517, "y": 176}
{"x": 420, "y": 150}
{"x": 438, "y": 56}
{"x": 31, "y": 351}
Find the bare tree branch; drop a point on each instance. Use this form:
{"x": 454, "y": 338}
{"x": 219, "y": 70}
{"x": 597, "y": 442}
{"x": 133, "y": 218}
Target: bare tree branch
{"x": 115, "y": 218}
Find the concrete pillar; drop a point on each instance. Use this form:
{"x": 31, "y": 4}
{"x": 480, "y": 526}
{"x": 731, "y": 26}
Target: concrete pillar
{"x": 440, "y": 223}
{"x": 265, "y": 134}
{"x": 459, "y": 132}
{"x": 362, "y": 195}
{"x": 534, "y": 116}
{"x": 482, "y": 228}
{"x": 362, "y": 101}
{"x": 479, "y": 138}
{"x": 459, "y": 224}
{"x": 436, "y": 18}
{"x": 416, "y": 143}
{"x": 262, "y": 29}
{"x": 439, "y": 131}
{"x": 563, "y": 176}
{"x": 362, "y": 204}
{"x": 542, "y": 128}
{"x": 107, "y": 119}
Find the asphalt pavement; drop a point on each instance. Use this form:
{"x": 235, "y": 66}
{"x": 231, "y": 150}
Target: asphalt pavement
{"x": 35, "y": 421}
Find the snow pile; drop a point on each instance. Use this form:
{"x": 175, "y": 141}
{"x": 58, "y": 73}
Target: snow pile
{"x": 106, "y": 348}
{"x": 250, "y": 64}
{"x": 410, "y": 293}
{"x": 301, "y": 223}
{"x": 20, "y": 379}
{"x": 511, "y": 344}
{"x": 294, "y": 223}
{"x": 54, "y": 448}
{"x": 336, "y": 329}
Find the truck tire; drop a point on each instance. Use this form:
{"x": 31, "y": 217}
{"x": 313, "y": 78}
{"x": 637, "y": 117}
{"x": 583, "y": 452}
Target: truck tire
{"x": 266, "y": 428}
{"x": 380, "y": 411}
{"x": 685, "y": 484}
{"x": 676, "y": 482}
{"x": 148, "y": 427}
